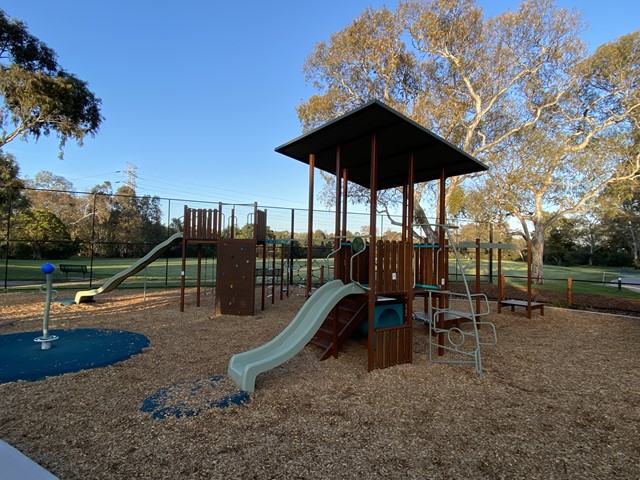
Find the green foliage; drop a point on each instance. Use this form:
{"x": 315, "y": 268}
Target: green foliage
{"x": 10, "y": 183}
{"x": 39, "y": 97}
{"x": 40, "y": 234}
{"x": 516, "y": 90}
{"x": 131, "y": 224}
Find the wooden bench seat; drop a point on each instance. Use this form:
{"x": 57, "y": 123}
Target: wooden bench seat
{"x": 523, "y": 303}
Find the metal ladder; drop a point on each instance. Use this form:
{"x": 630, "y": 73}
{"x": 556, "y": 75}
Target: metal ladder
{"x": 462, "y": 342}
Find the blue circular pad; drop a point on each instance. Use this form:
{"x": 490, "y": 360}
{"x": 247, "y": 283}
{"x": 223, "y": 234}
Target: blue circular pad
{"x": 189, "y": 398}
{"x": 79, "y": 349}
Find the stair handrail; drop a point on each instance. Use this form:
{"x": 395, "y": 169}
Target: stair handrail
{"x": 332, "y": 253}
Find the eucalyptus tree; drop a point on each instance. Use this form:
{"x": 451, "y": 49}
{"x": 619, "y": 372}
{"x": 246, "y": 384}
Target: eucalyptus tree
{"x": 559, "y": 166}
{"x": 440, "y": 62}
{"x": 55, "y": 194}
{"x": 38, "y": 96}
{"x": 11, "y": 185}
{"x": 516, "y": 90}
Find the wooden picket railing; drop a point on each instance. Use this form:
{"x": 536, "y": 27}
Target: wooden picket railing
{"x": 426, "y": 261}
{"x": 261, "y": 225}
{"x": 201, "y": 224}
{"x": 393, "y": 346}
{"x": 391, "y": 274}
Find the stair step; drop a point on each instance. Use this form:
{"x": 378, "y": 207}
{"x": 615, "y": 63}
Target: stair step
{"x": 323, "y": 344}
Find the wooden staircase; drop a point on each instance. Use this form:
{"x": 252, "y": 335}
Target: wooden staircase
{"x": 340, "y": 324}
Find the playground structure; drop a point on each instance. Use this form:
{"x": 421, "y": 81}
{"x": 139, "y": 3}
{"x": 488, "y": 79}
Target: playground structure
{"x": 237, "y": 270}
{"x": 377, "y": 148}
{"x": 236, "y": 260}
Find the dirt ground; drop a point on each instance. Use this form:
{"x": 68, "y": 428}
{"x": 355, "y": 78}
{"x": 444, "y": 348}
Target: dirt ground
{"x": 559, "y": 398}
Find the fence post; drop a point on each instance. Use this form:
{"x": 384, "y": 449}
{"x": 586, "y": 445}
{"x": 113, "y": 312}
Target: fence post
{"x": 93, "y": 240}
{"x": 6, "y": 254}
{"x": 570, "y": 291}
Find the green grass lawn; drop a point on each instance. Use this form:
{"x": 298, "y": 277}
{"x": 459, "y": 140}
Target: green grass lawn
{"x": 162, "y": 272}
{"x": 158, "y": 273}
{"x": 166, "y": 272}
{"x": 586, "y": 279}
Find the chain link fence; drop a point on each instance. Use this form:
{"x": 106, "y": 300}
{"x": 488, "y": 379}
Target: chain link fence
{"x": 91, "y": 236}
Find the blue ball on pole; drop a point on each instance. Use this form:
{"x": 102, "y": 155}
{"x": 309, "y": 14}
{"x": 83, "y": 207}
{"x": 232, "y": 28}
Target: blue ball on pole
{"x": 48, "y": 268}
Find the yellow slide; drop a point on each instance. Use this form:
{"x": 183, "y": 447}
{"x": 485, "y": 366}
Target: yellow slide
{"x": 118, "y": 278}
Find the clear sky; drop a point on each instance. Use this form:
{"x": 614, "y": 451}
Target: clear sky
{"x": 197, "y": 94}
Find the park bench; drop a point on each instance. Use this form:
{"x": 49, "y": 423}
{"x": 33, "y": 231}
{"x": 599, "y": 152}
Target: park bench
{"x": 523, "y": 303}
{"x": 67, "y": 268}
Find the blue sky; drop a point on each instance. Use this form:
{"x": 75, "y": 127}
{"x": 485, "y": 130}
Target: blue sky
{"x": 198, "y": 94}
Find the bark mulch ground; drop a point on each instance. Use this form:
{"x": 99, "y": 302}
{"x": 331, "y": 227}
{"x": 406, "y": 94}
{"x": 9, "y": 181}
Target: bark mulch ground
{"x": 559, "y": 398}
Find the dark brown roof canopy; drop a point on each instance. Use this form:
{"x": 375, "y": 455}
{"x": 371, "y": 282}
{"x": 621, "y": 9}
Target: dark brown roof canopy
{"x": 397, "y": 137}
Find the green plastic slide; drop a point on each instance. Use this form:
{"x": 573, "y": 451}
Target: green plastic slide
{"x": 118, "y": 278}
{"x": 245, "y": 367}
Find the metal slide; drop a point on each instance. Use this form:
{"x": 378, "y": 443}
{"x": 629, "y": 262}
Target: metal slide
{"x": 245, "y": 367}
{"x": 118, "y": 278}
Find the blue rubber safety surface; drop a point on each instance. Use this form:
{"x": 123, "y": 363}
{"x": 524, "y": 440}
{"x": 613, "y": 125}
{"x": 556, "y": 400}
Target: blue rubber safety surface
{"x": 79, "y": 349}
{"x": 190, "y": 398}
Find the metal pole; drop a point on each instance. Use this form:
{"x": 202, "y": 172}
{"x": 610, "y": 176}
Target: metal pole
{"x": 93, "y": 240}
{"x": 6, "y": 254}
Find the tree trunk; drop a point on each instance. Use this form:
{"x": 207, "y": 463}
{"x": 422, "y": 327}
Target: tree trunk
{"x": 420, "y": 218}
{"x": 537, "y": 251}
{"x": 635, "y": 241}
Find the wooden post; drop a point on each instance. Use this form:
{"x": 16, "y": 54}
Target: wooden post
{"x": 281, "y": 270}
{"x": 529, "y": 255}
{"x": 312, "y": 162}
{"x": 291, "y": 245}
{"x": 233, "y": 222}
{"x": 345, "y": 190}
{"x": 339, "y": 258}
{"x": 500, "y": 280}
{"x": 477, "y": 274}
{"x": 372, "y": 253}
{"x": 443, "y": 264}
{"x": 273, "y": 275}
{"x": 186, "y": 232}
{"x": 570, "y": 291}
{"x": 263, "y": 280}
{"x": 409, "y": 255}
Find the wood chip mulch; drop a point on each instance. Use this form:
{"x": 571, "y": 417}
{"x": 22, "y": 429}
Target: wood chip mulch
{"x": 559, "y": 398}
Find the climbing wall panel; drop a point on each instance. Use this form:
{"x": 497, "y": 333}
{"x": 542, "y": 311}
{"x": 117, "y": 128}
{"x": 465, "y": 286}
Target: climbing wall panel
{"x": 235, "y": 286}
